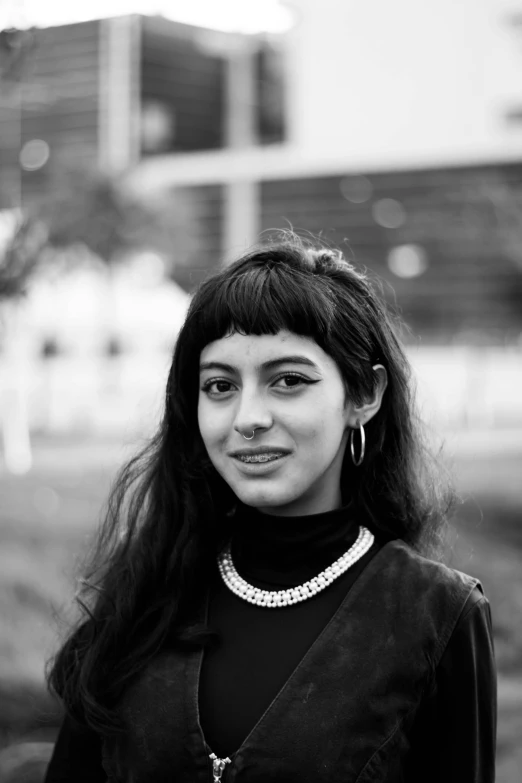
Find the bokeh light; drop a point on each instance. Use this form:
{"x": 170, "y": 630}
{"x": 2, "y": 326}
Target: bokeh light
{"x": 34, "y": 154}
{"x": 407, "y": 260}
{"x": 388, "y": 213}
{"x": 357, "y": 189}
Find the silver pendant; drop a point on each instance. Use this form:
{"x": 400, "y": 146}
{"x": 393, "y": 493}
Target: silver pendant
{"x": 218, "y": 766}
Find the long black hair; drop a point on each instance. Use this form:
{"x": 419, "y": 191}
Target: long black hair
{"x": 167, "y": 514}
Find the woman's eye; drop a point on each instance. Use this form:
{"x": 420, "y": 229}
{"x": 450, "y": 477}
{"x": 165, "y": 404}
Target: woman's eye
{"x": 221, "y": 387}
{"x": 290, "y": 381}
{"x": 215, "y": 388}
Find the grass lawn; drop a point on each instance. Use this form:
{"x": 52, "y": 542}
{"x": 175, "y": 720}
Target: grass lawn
{"x": 46, "y": 520}
{"x": 48, "y": 516}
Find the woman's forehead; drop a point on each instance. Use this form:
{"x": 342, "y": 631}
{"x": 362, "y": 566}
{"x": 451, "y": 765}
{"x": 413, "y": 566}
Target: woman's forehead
{"x": 240, "y": 349}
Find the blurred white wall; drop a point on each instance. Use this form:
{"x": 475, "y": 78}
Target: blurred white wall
{"x": 112, "y": 337}
{"x": 405, "y": 81}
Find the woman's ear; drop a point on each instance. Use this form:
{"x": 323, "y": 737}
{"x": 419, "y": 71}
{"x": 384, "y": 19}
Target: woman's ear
{"x": 361, "y": 414}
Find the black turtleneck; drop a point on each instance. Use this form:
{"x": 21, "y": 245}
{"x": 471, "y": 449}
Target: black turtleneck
{"x": 259, "y": 648}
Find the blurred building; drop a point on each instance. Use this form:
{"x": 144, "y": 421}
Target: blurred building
{"x": 403, "y": 143}
{"x": 112, "y": 92}
{"x": 393, "y": 129}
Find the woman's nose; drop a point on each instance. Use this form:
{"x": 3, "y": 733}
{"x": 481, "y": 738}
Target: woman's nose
{"x": 252, "y": 414}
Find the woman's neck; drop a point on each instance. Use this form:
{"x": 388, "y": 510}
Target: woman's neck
{"x": 289, "y": 549}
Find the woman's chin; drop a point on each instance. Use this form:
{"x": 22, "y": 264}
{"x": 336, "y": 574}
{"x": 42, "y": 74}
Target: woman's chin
{"x": 270, "y": 502}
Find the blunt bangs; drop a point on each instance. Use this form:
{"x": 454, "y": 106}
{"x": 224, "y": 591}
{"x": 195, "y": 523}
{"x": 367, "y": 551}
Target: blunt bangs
{"x": 264, "y": 299}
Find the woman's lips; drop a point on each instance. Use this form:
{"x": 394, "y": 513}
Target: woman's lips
{"x": 251, "y": 458}
{"x": 259, "y": 463}
{"x": 255, "y": 451}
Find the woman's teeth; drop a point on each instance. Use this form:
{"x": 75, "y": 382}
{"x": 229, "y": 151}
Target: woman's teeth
{"x": 258, "y": 457}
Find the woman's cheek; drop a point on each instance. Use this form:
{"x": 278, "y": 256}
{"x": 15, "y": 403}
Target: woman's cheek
{"x": 210, "y": 422}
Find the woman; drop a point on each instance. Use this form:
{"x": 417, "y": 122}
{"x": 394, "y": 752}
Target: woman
{"x": 261, "y": 606}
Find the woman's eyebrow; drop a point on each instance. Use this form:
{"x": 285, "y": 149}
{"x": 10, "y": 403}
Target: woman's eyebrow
{"x": 270, "y": 365}
{"x": 217, "y": 366}
{"x": 289, "y": 360}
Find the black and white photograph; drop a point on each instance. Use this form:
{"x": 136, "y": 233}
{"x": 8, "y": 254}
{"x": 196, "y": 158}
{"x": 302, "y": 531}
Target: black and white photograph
{"x": 261, "y": 391}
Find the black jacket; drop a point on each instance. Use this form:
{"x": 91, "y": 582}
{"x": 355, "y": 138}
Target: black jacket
{"x": 359, "y": 707}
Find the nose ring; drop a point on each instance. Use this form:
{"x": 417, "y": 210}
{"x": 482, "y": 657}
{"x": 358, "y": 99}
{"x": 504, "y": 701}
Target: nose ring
{"x": 246, "y": 437}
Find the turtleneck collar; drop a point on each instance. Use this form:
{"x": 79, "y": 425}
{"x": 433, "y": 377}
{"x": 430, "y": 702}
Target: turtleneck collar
{"x": 271, "y": 551}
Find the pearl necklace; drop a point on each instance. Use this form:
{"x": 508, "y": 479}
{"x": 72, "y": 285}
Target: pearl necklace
{"x": 293, "y": 595}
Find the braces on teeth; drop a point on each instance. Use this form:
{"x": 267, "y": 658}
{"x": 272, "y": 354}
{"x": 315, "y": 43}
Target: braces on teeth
{"x": 259, "y": 457}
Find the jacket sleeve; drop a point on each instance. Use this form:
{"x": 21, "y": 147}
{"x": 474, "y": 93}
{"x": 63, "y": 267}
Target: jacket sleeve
{"x": 453, "y": 737}
{"x": 76, "y": 757}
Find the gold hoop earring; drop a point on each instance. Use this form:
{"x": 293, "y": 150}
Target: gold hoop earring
{"x": 358, "y": 461}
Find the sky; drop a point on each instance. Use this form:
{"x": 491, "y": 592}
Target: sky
{"x": 247, "y": 16}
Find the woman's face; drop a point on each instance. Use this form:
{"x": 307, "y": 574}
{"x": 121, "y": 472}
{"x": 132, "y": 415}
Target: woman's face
{"x": 288, "y": 391}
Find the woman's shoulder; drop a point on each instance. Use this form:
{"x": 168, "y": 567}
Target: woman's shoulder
{"x": 420, "y": 600}
{"x": 407, "y": 572}
{"x": 407, "y": 555}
